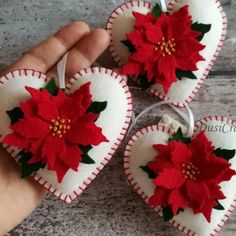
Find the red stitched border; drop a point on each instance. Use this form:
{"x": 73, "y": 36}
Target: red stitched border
{"x": 138, "y": 189}
{"x": 165, "y": 97}
{"x": 67, "y": 198}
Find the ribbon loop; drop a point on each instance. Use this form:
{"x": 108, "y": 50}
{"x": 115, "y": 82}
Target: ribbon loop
{"x": 163, "y": 5}
{"x": 188, "y": 118}
{"x": 61, "y": 71}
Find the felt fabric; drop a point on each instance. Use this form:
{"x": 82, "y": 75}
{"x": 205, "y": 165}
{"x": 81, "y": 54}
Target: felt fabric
{"x": 52, "y": 131}
{"x": 139, "y": 152}
{"x": 203, "y": 11}
{"x": 105, "y": 85}
{"x": 163, "y": 45}
{"x": 191, "y": 175}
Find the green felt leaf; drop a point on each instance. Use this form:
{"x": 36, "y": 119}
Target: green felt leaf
{"x": 86, "y": 159}
{"x": 156, "y": 11}
{"x": 178, "y": 136}
{"x": 219, "y": 206}
{"x": 129, "y": 44}
{"x": 15, "y": 115}
{"x": 51, "y": 87}
{"x": 85, "y": 149}
{"x": 225, "y": 153}
{"x": 144, "y": 83}
{"x": 185, "y": 74}
{"x": 151, "y": 174}
{"x": 97, "y": 107}
{"x": 28, "y": 169}
{"x": 203, "y": 28}
{"x": 167, "y": 213}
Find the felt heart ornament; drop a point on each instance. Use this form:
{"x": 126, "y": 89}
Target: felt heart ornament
{"x": 170, "y": 53}
{"x": 189, "y": 181}
{"x": 63, "y": 138}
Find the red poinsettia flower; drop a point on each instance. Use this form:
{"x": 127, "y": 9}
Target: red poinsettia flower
{"x": 163, "y": 45}
{"x": 188, "y": 175}
{"x": 53, "y": 127}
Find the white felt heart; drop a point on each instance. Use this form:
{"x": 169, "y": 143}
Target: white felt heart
{"x": 211, "y": 12}
{"x": 139, "y": 151}
{"x": 106, "y": 85}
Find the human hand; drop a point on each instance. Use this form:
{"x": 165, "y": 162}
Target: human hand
{"x": 19, "y": 197}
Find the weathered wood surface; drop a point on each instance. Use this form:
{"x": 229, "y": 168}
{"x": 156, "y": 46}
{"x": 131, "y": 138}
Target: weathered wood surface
{"x": 108, "y": 206}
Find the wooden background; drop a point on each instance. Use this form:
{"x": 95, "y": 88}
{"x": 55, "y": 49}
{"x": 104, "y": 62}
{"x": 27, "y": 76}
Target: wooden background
{"x": 108, "y": 206}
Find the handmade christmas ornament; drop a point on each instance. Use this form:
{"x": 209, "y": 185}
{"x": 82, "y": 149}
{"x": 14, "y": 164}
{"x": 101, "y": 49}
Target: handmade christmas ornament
{"x": 168, "y": 51}
{"x": 63, "y": 136}
{"x": 188, "y": 178}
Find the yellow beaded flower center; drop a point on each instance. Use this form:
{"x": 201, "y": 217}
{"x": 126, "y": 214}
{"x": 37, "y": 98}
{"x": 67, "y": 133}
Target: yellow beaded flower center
{"x": 166, "y": 47}
{"x": 59, "y": 126}
{"x": 190, "y": 171}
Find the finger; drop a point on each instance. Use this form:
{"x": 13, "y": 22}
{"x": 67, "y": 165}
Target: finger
{"x": 46, "y": 54}
{"x": 85, "y": 53}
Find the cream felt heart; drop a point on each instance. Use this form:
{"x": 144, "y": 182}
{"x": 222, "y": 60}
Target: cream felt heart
{"x": 211, "y": 12}
{"x": 105, "y": 85}
{"x": 139, "y": 151}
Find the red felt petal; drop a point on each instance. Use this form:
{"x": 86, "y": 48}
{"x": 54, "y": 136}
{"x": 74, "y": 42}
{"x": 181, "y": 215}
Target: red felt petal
{"x": 201, "y": 141}
{"x": 201, "y": 146}
{"x": 136, "y": 38}
{"x": 144, "y": 54}
{"x": 84, "y": 93}
{"x": 35, "y": 93}
{"x": 132, "y": 68}
{"x": 214, "y": 169}
{"x": 52, "y": 149}
{"x": 16, "y": 141}
{"x": 72, "y": 157}
{"x": 88, "y": 117}
{"x": 170, "y": 178}
{"x": 150, "y": 70}
{"x": 177, "y": 200}
{"x": 153, "y": 166}
{"x": 60, "y": 98}
{"x": 166, "y": 84}
{"x": 85, "y": 134}
{"x": 35, "y": 149}
{"x": 227, "y": 175}
{"x": 183, "y": 48}
{"x": 167, "y": 67}
{"x": 161, "y": 148}
{"x": 197, "y": 192}
{"x": 206, "y": 209}
{"x": 163, "y": 22}
{"x": 181, "y": 20}
{"x": 72, "y": 109}
{"x": 215, "y": 191}
{"x": 159, "y": 198}
{"x": 29, "y": 108}
{"x": 47, "y": 109}
{"x": 182, "y": 13}
{"x": 188, "y": 63}
{"x": 180, "y": 153}
{"x": 31, "y": 127}
{"x": 160, "y": 163}
{"x": 60, "y": 168}
{"x": 154, "y": 34}
{"x": 143, "y": 20}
